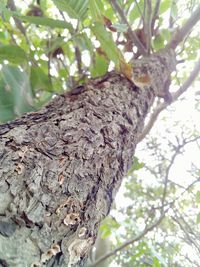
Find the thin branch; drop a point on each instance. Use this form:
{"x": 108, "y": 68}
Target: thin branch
{"x": 131, "y": 33}
{"x": 190, "y": 229}
{"x": 139, "y": 9}
{"x": 182, "y": 32}
{"x": 155, "y": 14}
{"x": 152, "y": 226}
{"x": 175, "y": 96}
{"x": 78, "y": 59}
{"x": 171, "y": 203}
{"x": 147, "y": 24}
{"x": 166, "y": 179}
{"x": 11, "y": 5}
{"x": 190, "y": 239}
{"x": 171, "y": 20}
{"x": 78, "y": 54}
{"x": 130, "y": 241}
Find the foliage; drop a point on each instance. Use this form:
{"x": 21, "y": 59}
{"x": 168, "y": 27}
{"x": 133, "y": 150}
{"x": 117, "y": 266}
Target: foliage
{"x": 48, "y": 47}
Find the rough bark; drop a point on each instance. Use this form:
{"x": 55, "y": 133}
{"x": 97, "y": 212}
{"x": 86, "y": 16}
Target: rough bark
{"x": 61, "y": 167}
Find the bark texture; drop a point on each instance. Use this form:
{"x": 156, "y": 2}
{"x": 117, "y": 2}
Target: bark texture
{"x": 61, "y": 167}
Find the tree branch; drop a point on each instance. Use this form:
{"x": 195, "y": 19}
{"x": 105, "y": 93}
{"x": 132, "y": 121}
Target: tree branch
{"x": 147, "y": 24}
{"x": 11, "y": 5}
{"x": 155, "y": 14}
{"x": 139, "y": 9}
{"x": 166, "y": 178}
{"x": 131, "y": 33}
{"x": 130, "y": 241}
{"x": 190, "y": 239}
{"x": 175, "y": 96}
{"x": 182, "y": 32}
{"x": 177, "y": 151}
{"x": 163, "y": 212}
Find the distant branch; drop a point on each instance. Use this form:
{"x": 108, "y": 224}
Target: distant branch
{"x": 130, "y": 241}
{"x": 188, "y": 236}
{"x": 131, "y": 33}
{"x": 147, "y": 24}
{"x": 171, "y": 203}
{"x": 175, "y": 96}
{"x": 162, "y": 216}
{"x": 139, "y": 9}
{"x": 166, "y": 178}
{"x": 155, "y": 14}
{"x": 177, "y": 151}
{"x": 183, "y": 32}
{"x": 11, "y": 5}
{"x": 78, "y": 59}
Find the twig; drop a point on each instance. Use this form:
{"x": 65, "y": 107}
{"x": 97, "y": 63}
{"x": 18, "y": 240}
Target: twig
{"x": 190, "y": 239}
{"x": 171, "y": 203}
{"x": 11, "y": 5}
{"x": 182, "y": 32}
{"x": 166, "y": 179}
{"x": 171, "y": 20}
{"x": 131, "y": 33}
{"x": 175, "y": 96}
{"x": 155, "y": 15}
{"x": 78, "y": 59}
{"x": 130, "y": 241}
{"x": 152, "y": 226}
{"x": 139, "y": 9}
{"x": 147, "y": 23}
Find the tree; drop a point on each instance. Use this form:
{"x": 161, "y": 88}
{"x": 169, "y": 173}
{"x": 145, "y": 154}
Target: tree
{"x": 62, "y": 165}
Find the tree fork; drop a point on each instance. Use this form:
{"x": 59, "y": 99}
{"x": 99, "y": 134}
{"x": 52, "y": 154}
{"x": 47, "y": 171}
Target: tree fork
{"x": 61, "y": 167}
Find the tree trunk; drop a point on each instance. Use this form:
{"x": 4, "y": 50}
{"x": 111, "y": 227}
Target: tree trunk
{"x": 61, "y": 167}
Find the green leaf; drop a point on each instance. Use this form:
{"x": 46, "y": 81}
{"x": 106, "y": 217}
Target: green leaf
{"x": 83, "y": 42}
{"x": 107, "y": 226}
{"x": 12, "y": 53}
{"x": 158, "y": 42}
{"x": 198, "y": 218}
{"x": 156, "y": 262}
{"x": 135, "y": 166}
{"x": 100, "y": 66}
{"x": 43, "y": 5}
{"x": 197, "y": 197}
{"x": 3, "y": 5}
{"x": 15, "y": 93}
{"x": 120, "y": 27}
{"x": 157, "y": 258}
{"x": 76, "y": 9}
{"x": 141, "y": 250}
{"x": 39, "y": 80}
{"x": 52, "y": 23}
{"x": 166, "y": 34}
{"x": 44, "y": 21}
{"x": 55, "y": 43}
{"x": 105, "y": 232}
{"x": 4, "y": 37}
{"x": 174, "y": 10}
{"x": 107, "y": 43}
{"x": 96, "y": 8}
{"x": 165, "y": 5}
{"x": 43, "y": 99}
{"x": 135, "y": 11}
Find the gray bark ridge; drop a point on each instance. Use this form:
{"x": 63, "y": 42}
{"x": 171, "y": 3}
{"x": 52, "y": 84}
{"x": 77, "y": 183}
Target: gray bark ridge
{"x": 60, "y": 169}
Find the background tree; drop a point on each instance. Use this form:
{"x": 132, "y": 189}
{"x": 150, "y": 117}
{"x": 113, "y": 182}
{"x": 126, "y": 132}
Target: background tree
{"x": 61, "y": 166}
